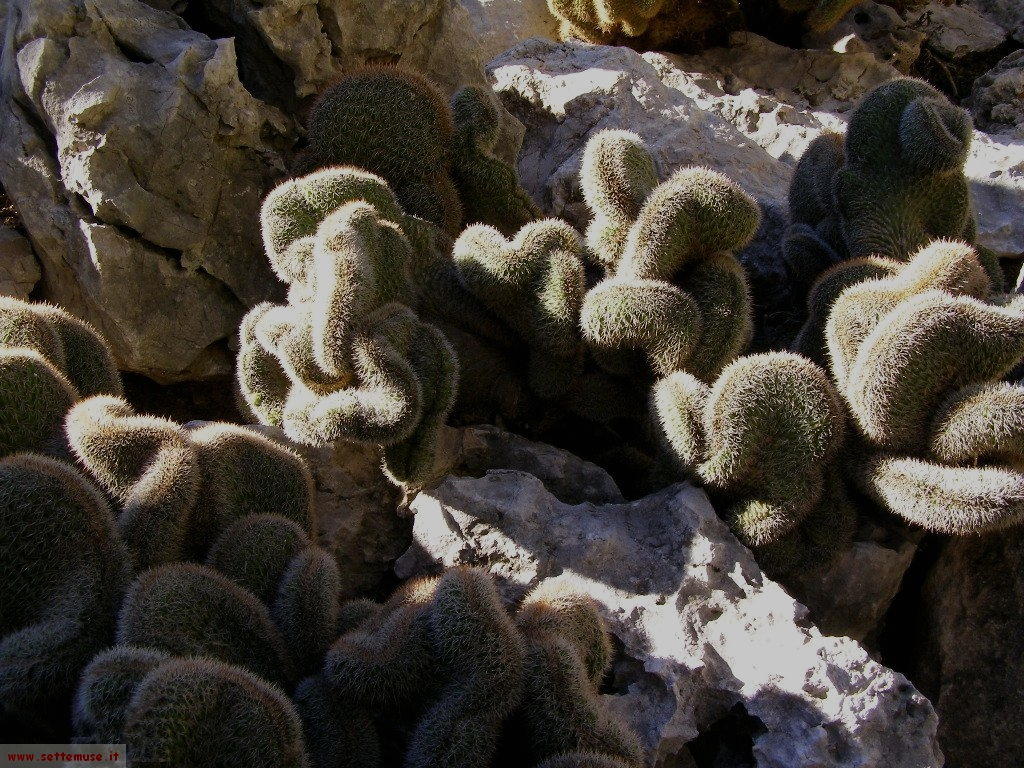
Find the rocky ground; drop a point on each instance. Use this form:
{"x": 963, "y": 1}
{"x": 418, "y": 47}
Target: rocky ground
{"x": 137, "y": 140}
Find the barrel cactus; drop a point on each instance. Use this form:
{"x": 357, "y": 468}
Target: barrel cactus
{"x": 674, "y": 293}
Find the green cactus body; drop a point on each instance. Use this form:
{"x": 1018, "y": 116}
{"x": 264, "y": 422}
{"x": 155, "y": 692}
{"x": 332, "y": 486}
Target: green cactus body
{"x": 943, "y": 265}
{"x": 189, "y": 711}
{"x": 397, "y": 125}
{"x": 336, "y": 736}
{"x": 106, "y": 689}
{"x": 480, "y": 656}
{"x": 810, "y": 193}
{"x": 566, "y": 656}
{"x": 34, "y": 397}
{"x": 980, "y": 422}
{"x": 903, "y": 182}
{"x": 488, "y": 187}
{"x": 191, "y": 610}
{"x": 347, "y": 359}
{"x": 583, "y": 760}
{"x": 674, "y": 293}
{"x": 535, "y": 284}
{"x": 600, "y": 21}
{"x": 63, "y": 571}
{"x": 929, "y": 344}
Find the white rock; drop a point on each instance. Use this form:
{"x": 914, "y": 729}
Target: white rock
{"x": 749, "y": 111}
{"x": 702, "y": 629}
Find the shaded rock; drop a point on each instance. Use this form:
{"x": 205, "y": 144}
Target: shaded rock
{"x": 972, "y": 659}
{"x": 138, "y": 162}
{"x": 19, "y": 270}
{"x": 500, "y": 24}
{"x": 957, "y": 32}
{"x": 997, "y": 100}
{"x": 1009, "y": 14}
{"x": 705, "y": 635}
{"x": 355, "y": 506}
{"x": 876, "y": 28}
{"x": 749, "y": 111}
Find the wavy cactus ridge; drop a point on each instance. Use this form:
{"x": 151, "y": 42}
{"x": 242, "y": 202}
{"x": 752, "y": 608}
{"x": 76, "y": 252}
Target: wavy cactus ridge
{"x": 980, "y": 422}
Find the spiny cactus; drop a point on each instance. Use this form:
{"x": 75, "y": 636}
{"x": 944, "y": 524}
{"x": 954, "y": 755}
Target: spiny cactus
{"x": 943, "y": 265}
{"x": 567, "y": 653}
{"x": 70, "y": 345}
{"x": 821, "y": 14}
{"x": 191, "y": 610}
{"x": 106, "y": 689}
{"x": 488, "y": 186}
{"x": 583, "y": 760}
{"x": 644, "y": 24}
{"x": 62, "y": 572}
{"x": 674, "y": 292}
{"x": 535, "y": 284}
{"x": 191, "y": 711}
{"x": 357, "y": 363}
{"x": 336, "y": 735}
{"x": 761, "y": 437}
{"x": 179, "y": 489}
{"x": 980, "y": 422}
{"x": 34, "y": 397}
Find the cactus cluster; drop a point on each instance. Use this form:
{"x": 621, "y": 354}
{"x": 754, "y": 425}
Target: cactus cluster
{"x": 893, "y": 184}
{"x": 674, "y": 293}
{"x": 765, "y": 439}
{"x": 347, "y": 359}
{"x": 437, "y": 156}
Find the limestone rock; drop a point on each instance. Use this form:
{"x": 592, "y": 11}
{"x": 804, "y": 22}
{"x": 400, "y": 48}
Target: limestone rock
{"x": 704, "y": 634}
{"x": 972, "y": 660}
{"x": 748, "y": 110}
{"x": 877, "y": 28}
{"x": 19, "y": 270}
{"x": 1009, "y": 14}
{"x": 997, "y": 100}
{"x": 500, "y": 24}
{"x": 957, "y": 32}
{"x": 138, "y": 161}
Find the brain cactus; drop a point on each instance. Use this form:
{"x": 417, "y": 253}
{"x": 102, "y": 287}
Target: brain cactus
{"x": 63, "y": 571}
{"x": 48, "y": 360}
{"x": 347, "y": 359}
{"x": 535, "y": 284}
{"x": 762, "y": 437}
{"x": 674, "y": 292}
{"x": 177, "y": 488}
{"x": 437, "y": 157}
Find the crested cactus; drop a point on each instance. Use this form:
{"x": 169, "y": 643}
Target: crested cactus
{"x": 185, "y": 609}
{"x": 336, "y": 735}
{"x": 63, "y": 571}
{"x": 535, "y": 284}
{"x": 178, "y": 489}
{"x": 347, "y": 359}
{"x": 192, "y": 711}
{"x": 567, "y": 653}
{"x": 762, "y": 437}
{"x": 674, "y": 293}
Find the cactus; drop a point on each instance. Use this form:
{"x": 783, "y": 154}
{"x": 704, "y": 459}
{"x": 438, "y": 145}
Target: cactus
{"x": 821, "y": 14}
{"x": 488, "y": 187}
{"x": 567, "y": 653}
{"x": 762, "y": 438}
{"x": 337, "y": 736}
{"x": 583, "y": 760}
{"x": 192, "y": 711}
{"x": 34, "y": 396}
{"x": 943, "y": 265}
{"x": 536, "y": 284}
{"x": 186, "y": 609}
{"x": 644, "y": 24}
{"x": 179, "y": 489}
{"x": 106, "y": 689}
{"x": 347, "y": 359}
{"x": 62, "y": 571}
{"x": 673, "y": 292}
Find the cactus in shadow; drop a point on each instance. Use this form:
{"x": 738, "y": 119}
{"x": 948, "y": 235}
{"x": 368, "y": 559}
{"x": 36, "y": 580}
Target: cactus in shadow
{"x": 762, "y": 438}
{"x": 674, "y": 293}
{"x": 535, "y": 283}
{"x": 488, "y": 186}
{"x": 567, "y": 654}
{"x": 191, "y": 711}
{"x": 63, "y": 571}
{"x": 336, "y": 735}
{"x": 348, "y": 358}
{"x": 820, "y": 14}
{"x": 177, "y": 488}
{"x": 583, "y": 760}
{"x": 645, "y": 24}
{"x": 48, "y": 360}
{"x": 106, "y": 689}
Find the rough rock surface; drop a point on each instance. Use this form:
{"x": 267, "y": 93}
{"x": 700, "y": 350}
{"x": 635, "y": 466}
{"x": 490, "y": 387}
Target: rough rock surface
{"x": 957, "y": 32}
{"x": 972, "y": 661}
{"x": 877, "y": 28}
{"x": 749, "y": 111}
{"x": 19, "y": 270}
{"x": 997, "y": 101}
{"x": 355, "y": 505}
{"x": 1009, "y": 14}
{"x": 703, "y": 631}
{"x": 500, "y": 24}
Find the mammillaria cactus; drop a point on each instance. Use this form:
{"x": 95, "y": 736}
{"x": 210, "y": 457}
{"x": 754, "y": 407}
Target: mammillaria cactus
{"x": 177, "y": 488}
{"x": 63, "y": 570}
{"x": 762, "y": 437}
{"x": 535, "y": 284}
{"x": 347, "y": 358}
{"x": 106, "y": 688}
{"x": 674, "y": 292}
{"x": 437, "y": 157}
